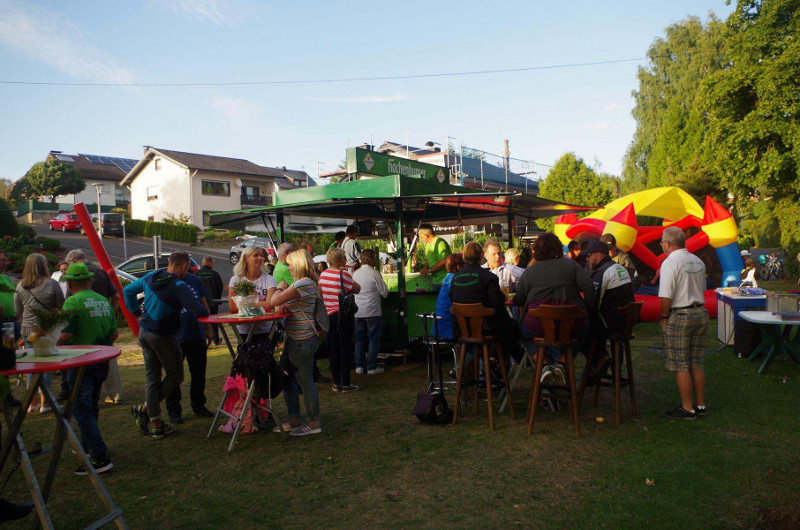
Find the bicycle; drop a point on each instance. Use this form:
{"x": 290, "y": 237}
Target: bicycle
{"x": 771, "y": 265}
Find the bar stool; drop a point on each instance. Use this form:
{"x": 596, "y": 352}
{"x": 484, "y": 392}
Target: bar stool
{"x": 435, "y": 345}
{"x": 564, "y": 316}
{"x": 470, "y": 322}
{"x": 620, "y": 342}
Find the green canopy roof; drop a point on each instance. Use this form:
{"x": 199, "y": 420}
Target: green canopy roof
{"x": 419, "y": 199}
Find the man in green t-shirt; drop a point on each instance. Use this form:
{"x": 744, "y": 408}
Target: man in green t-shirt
{"x": 436, "y": 251}
{"x": 7, "y": 311}
{"x": 281, "y": 272}
{"x": 93, "y": 323}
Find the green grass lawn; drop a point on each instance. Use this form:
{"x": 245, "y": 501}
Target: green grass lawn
{"x": 376, "y": 465}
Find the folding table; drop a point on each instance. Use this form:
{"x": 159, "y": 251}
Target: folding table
{"x": 772, "y": 337}
{"x": 14, "y": 439}
{"x": 235, "y": 320}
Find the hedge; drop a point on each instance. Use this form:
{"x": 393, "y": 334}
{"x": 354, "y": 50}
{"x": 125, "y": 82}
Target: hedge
{"x": 170, "y": 232}
{"x": 8, "y": 223}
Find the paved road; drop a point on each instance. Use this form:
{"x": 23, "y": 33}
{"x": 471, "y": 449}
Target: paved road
{"x": 139, "y": 245}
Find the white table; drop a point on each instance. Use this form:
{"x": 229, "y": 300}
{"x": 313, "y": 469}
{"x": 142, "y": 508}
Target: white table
{"x": 729, "y": 307}
{"x": 772, "y": 337}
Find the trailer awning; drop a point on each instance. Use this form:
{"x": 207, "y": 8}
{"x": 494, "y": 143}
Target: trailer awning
{"x": 380, "y": 198}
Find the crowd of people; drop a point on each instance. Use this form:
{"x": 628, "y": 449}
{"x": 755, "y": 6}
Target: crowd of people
{"x": 168, "y": 303}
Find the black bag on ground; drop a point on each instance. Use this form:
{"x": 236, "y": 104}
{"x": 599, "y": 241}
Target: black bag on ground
{"x": 432, "y": 408}
{"x": 347, "y": 302}
{"x": 746, "y": 337}
{"x": 256, "y": 362}
{"x": 8, "y": 358}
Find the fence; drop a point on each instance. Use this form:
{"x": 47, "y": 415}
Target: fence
{"x": 55, "y": 207}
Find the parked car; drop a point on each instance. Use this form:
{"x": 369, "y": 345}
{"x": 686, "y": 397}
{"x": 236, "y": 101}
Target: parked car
{"x": 122, "y": 275}
{"x": 261, "y": 242}
{"x": 111, "y": 222}
{"x": 65, "y": 221}
{"x": 141, "y": 264}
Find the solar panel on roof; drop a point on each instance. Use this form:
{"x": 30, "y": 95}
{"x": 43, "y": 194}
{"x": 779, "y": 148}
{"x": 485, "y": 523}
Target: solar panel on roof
{"x": 65, "y": 158}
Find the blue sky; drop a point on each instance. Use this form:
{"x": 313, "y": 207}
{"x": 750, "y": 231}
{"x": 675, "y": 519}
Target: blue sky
{"x": 543, "y": 113}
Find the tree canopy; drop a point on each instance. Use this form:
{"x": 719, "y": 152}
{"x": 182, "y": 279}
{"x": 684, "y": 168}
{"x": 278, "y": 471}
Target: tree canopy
{"x": 52, "y": 179}
{"x": 571, "y": 180}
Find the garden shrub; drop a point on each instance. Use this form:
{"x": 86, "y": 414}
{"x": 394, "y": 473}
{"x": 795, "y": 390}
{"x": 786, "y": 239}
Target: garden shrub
{"x": 27, "y": 231}
{"x": 8, "y": 223}
{"x": 51, "y": 244}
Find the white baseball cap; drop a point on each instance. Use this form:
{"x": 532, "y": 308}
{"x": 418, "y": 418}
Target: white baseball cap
{"x": 745, "y": 253}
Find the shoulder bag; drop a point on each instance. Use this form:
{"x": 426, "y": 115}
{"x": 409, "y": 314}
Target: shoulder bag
{"x": 347, "y": 302}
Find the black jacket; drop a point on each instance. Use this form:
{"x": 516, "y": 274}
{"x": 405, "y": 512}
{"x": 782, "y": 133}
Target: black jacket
{"x": 476, "y": 285}
{"x": 614, "y": 289}
{"x": 212, "y": 281}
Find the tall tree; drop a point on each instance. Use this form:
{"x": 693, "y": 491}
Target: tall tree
{"x": 754, "y": 103}
{"x": 667, "y": 147}
{"x": 571, "y": 180}
{"x": 54, "y": 178}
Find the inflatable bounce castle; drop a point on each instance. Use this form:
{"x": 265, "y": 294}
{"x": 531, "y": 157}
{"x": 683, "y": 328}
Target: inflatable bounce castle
{"x": 711, "y": 234}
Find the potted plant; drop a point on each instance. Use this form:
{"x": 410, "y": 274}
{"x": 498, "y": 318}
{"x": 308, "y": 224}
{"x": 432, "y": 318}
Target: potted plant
{"x": 245, "y": 297}
{"x": 45, "y": 335}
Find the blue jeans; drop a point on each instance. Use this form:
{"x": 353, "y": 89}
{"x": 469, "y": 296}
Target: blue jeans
{"x": 86, "y": 410}
{"x": 47, "y": 377}
{"x": 160, "y": 351}
{"x": 580, "y": 332}
{"x": 301, "y": 354}
{"x": 368, "y": 329}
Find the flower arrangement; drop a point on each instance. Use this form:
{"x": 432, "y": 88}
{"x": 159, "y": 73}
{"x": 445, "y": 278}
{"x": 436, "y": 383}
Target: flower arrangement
{"x": 244, "y": 288}
{"x": 45, "y": 335}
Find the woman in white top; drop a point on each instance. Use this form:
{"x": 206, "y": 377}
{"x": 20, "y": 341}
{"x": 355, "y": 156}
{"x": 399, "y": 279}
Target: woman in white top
{"x": 368, "y": 316}
{"x": 251, "y": 267}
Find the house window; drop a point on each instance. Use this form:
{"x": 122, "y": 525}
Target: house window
{"x": 207, "y": 216}
{"x": 215, "y": 187}
{"x": 157, "y": 164}
{"x": 152, "y": 193}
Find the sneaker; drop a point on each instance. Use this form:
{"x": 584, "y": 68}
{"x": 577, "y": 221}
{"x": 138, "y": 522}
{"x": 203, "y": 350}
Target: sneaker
{"x": 164, "y": 430}
{"x": 349, "y": 388}
{"x": 377, "y": 371}
{"x": 44, "y": 409}
{"x": 287, "y": 427}
{"x": 602, "y": 366}
{"x": 679, "y": 413}
{"x": 359, "y": 370}
{"x": 33, "y": 408}
{"x": 700, "y": 412}
{"x": 176, "y": 419}
{"x": 336, "y": 388}
{"x": 101, "y": 464}
{"x": 560, "y": 374}
{"x": 548, "y": 375}
{"x": 140, "y": 418}
{"x": 203, "y": 413}
{"x": 305, "y": 430}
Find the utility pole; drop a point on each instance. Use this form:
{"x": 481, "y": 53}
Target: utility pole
{"x": 507, "y": 160}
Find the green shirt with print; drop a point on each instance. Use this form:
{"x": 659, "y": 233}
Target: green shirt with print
{"x": 95, "y": 321}
{"x": 282, "y": 274}
{"x": 435, "y": 252}
{"x": 7, "y": 298}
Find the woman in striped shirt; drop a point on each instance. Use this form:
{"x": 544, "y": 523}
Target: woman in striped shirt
{"x": 301, "y": 341}
{"x": 331, "y": 282}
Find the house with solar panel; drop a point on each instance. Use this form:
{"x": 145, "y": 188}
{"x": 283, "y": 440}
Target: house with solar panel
{"x": 165, "y": 182}
{"x": 106, "y": 170}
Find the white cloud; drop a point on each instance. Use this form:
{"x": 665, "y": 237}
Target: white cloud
{"x": 47, "y": 37}
{"x": 596, "y": 126}
{"x": 613, "y": 107}
{"x": 217, "y": 12}
{"x": 236, "y": 109}
{"x": 365, "y": 99}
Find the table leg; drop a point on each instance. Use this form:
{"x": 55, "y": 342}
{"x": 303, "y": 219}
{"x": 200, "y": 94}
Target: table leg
{"x": 526, "y": 358}
{"x": 773, "y": 333}
{"x": 14, "y": 423}
{"x": 227, "y": 340}
{"x": 765, "y": 341}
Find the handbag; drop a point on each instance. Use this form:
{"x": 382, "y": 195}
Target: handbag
{"x": 321, "y": 322}
{"x": 431, "y": 407}
{"x": 347, "y": 302}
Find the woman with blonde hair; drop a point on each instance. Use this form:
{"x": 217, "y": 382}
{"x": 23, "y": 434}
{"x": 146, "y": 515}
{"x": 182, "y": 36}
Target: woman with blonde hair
{"x": 331, "y": 282}
{"x": 36, "y": 290}
{"x": 300, "y": 299}
{"x": 250, "y": 267}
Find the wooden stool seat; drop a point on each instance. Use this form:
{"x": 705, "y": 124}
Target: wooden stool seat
{"x": 620, "y": 343}
{"x": 551, "y": 317}
{"x": 470, "y": 322}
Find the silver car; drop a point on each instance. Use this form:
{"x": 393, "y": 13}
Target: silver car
{"x": 260, "y": 242}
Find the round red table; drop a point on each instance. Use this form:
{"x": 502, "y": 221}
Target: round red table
{"x": 233, "y": 320}
{"x": 63, "y": 430}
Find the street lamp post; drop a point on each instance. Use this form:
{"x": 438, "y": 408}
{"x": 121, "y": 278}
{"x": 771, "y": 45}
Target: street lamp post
{"x": 99, "y": 187}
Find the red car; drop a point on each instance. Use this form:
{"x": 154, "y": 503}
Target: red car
{"x": 65, "y": 221}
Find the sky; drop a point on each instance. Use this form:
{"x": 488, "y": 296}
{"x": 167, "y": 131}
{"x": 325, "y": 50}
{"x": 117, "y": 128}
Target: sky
{"x": 544, "y": 112}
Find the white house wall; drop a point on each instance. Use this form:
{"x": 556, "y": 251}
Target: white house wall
{"x": 89, "y": 195}
{"x": 213, "y": 203}
{"x": 172, "y": 182}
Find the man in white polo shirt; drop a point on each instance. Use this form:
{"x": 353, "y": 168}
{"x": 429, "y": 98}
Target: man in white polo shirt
{"x": 684, "y": 322}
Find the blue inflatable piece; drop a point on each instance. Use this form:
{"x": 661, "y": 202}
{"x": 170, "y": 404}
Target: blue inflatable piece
{"x": 730, "y": 260}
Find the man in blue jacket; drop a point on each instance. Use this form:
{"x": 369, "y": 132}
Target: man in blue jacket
{"x": 165, "y": 295}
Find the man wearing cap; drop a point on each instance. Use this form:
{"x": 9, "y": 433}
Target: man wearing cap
{"x": 93, "y": 323}
{"x": 684, "y": 322}
{"x": 102, "y": 285}
{"x": 618, "y": 256}
{"x": 614, "y": 289}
